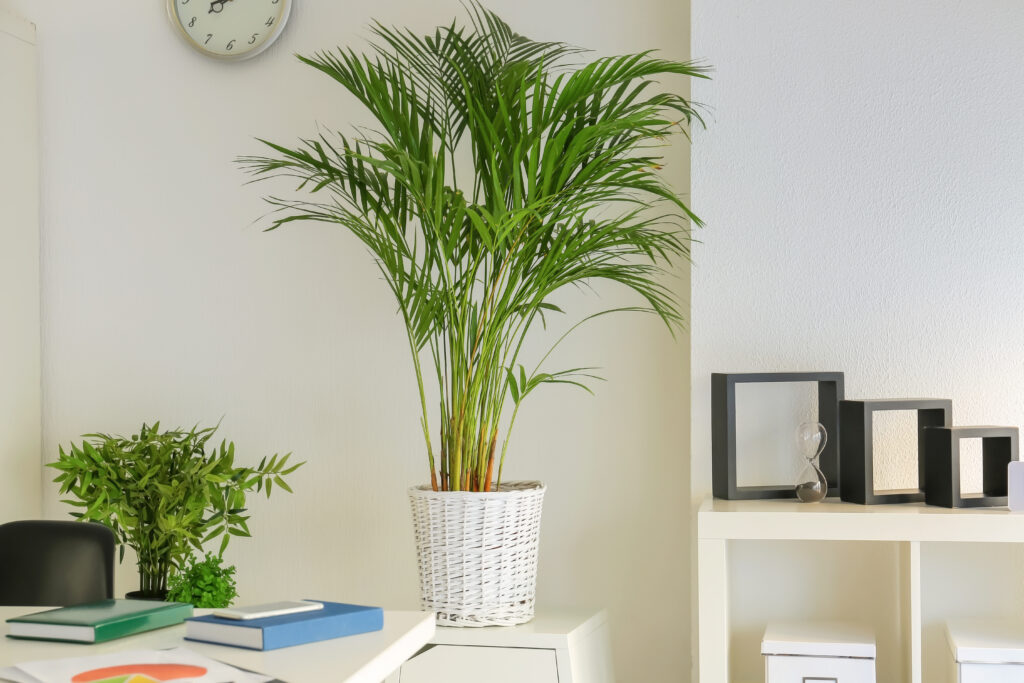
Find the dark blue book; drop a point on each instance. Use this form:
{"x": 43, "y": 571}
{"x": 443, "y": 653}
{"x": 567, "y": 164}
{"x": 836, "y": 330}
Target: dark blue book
{"x": 335, "y": 620}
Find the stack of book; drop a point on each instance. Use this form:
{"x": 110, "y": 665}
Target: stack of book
{"x": 335, "y": 620}
{"x": 96, "y": 622}
{"x": 108, "y": 619}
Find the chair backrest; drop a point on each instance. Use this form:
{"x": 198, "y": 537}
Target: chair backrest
{"x": 55, "y": 563}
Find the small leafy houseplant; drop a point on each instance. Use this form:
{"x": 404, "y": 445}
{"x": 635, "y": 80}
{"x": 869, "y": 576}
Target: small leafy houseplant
{"x": 499, "y": 171}
{"x": 163, "y": 493}
{"x": 204, "y": 583}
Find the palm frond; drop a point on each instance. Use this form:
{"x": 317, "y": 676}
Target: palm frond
{"x": 563, "y": 190}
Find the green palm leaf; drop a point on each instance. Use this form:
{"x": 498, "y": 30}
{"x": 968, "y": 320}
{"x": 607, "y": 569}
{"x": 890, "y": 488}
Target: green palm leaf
{"x": 498, "y": 172}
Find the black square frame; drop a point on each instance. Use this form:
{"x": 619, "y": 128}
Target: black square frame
{"x": 857, "y": 451}
{"x": 999, "y": 446}
{"x": 723, "y": 431}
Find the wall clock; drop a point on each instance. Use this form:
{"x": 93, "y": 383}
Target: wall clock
{"x": 229, "y": 29}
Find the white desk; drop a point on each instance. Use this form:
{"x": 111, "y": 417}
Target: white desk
{"x": 365, "y": 658}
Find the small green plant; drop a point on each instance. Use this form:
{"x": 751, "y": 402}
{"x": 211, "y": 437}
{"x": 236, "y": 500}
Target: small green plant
{"x": 163, "y": 494}
{"x": 204, "y": 583}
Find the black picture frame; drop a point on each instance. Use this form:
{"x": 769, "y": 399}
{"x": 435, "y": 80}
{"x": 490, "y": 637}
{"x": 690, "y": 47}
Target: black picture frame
{"x": 723, "y": 431}
{"x": 857, "y": 451}
{"x": 999, "y": 447}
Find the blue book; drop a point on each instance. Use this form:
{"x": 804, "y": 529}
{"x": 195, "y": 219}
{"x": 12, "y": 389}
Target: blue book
{"x": 335, "y": 620}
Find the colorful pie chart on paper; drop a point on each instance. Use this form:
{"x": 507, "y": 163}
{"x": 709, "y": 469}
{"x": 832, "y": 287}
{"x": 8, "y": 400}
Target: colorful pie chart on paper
{"x": 140, "y": 673}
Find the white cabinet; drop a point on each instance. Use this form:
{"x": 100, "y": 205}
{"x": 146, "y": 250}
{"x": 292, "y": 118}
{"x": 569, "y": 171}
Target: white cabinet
{"x": 895, "y": 584}
{"x": 471, "y": 664}
{"x": 985, "y": 651}
{"x": 819, "y": 670}
{"x": 825, "y": 652}
{"x": 990, "y": 673}
{"x": 20, "y": 401}
{"x": 556, "y": 647}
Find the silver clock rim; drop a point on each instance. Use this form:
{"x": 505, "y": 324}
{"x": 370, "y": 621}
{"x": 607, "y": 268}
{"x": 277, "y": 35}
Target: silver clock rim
{"x": 172, "y": 14}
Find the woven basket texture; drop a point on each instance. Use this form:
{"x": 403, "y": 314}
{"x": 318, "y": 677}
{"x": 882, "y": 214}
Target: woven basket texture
{"x": 478, "y": 553}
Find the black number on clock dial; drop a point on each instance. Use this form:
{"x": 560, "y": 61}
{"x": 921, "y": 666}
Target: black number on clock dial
{"x": 208, "y": 36}
{"x": 253, "y": 39}
{"x": 230, "y": 45}
{"x": 269, "y": 21}
{"x": 192, "y": 23}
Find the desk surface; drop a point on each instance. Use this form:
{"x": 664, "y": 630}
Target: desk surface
{"x": 364, "y": 658}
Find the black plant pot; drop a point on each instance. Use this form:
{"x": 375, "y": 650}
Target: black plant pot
{"x": 159, "y": 596}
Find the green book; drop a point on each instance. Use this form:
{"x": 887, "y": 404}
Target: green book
{"x": 96, "y": 622}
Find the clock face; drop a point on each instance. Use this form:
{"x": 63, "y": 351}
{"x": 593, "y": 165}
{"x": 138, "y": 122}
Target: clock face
{"x": 230, "y": 29}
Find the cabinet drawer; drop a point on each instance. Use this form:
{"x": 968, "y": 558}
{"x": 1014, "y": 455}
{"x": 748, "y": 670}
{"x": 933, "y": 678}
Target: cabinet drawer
{"x": 472, "y": 664}
{"x": 783, "y": 669}
{"x": 992, "y": 673}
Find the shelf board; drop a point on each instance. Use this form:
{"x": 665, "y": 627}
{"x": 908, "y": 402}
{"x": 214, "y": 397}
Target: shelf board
{"x": 833, "y": 520}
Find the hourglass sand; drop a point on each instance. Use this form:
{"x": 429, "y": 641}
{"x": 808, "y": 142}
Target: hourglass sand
{"x": 811, "y": 486}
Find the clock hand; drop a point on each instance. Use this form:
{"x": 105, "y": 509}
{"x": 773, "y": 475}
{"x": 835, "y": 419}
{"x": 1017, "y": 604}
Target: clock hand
{"x": 216, "y": 6}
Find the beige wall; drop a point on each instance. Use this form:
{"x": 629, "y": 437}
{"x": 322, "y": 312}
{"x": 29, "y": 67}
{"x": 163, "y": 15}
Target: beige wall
{"x": 161, "y": 300}
{"x": 20, "y": 402}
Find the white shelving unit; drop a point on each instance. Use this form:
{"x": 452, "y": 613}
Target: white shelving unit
{"x": 721, "y": 524}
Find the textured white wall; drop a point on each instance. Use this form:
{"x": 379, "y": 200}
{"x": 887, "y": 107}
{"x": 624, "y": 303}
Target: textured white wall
{"x": 861, "y": 179}
{"x": 20, "y": 403}
{"x": 162, "y": 301}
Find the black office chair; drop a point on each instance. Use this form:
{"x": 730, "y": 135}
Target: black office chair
{"x": 55, "y": 563}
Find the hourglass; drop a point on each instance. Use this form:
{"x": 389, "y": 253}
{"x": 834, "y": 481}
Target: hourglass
{"x": 811, "y": 486}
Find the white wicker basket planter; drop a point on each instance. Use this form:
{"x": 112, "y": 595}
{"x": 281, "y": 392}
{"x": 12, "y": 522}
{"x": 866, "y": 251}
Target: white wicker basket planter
{"x": 478, "y": 553}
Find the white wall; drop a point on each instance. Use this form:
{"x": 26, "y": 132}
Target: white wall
{"x": 20, "y": 401}
{"x": 161, "y": 300}
{"x": 861, "y": 179}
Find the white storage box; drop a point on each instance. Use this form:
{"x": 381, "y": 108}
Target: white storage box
{"x": 818, "y": 652}
{"x": 985, "y": 650}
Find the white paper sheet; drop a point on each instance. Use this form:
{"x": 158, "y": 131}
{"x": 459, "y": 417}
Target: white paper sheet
{"x": 13, "y": 674}
{"x": 134, "y": 666}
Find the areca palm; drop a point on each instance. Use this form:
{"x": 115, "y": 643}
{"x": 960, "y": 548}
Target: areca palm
{"x": 498, "y": 174}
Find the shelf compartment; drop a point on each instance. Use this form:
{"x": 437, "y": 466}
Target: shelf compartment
{"x": 910, "y": 531}
{"x": 818, "y": 576}
{"x": 984, "y": 583}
